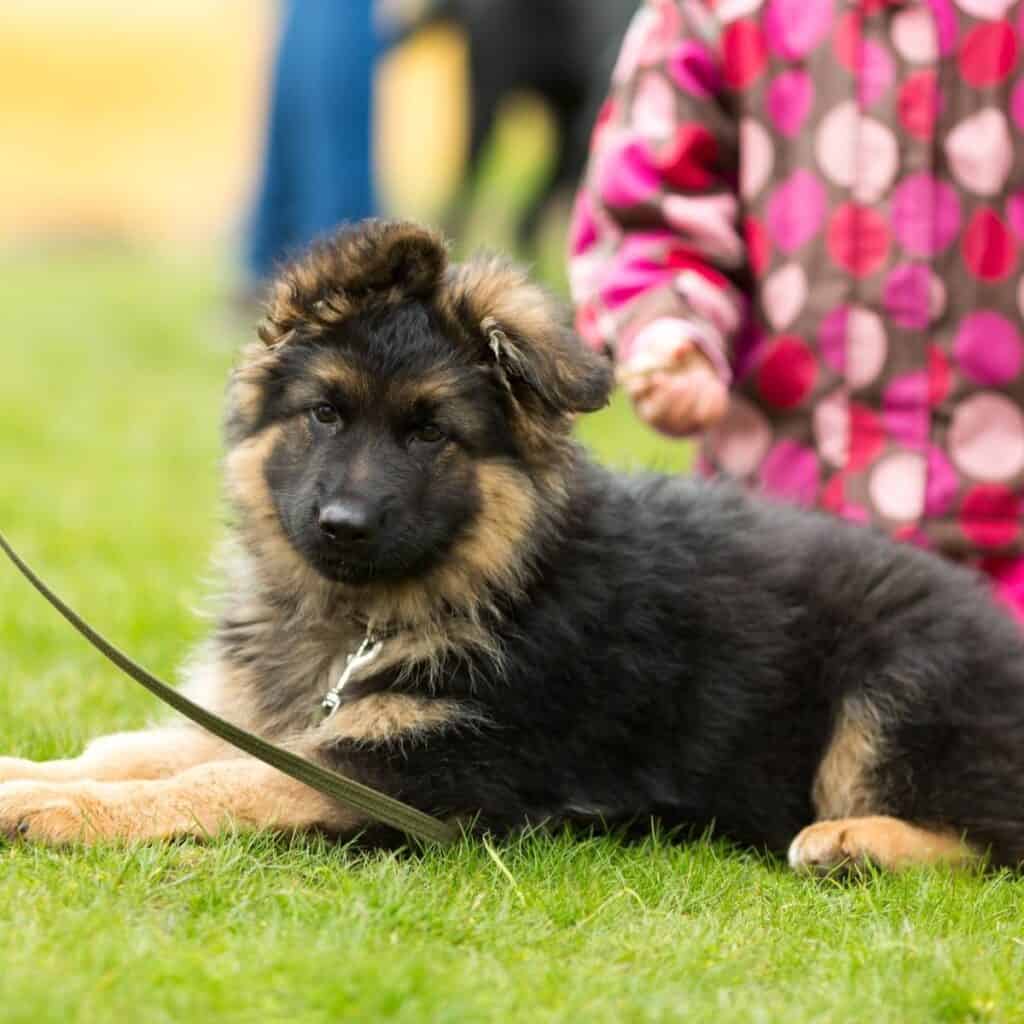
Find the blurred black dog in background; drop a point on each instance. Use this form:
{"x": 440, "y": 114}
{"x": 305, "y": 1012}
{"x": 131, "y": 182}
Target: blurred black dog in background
{"x": 562, "y": 51}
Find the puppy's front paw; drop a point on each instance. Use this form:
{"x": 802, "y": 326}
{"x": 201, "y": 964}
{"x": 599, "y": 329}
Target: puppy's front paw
{"x": 886, "y": 842}
{"x": 821, "y": 848}
{"x": 51, "y": 814}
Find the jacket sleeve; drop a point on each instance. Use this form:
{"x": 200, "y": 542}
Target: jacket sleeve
{"x": 655, "y": 250}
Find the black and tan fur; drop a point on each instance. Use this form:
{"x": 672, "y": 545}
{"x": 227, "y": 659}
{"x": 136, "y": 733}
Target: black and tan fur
{"x": 561, "y": 643}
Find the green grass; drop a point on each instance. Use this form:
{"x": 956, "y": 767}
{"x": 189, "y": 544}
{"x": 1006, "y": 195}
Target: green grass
{"x": 113, "y": 367}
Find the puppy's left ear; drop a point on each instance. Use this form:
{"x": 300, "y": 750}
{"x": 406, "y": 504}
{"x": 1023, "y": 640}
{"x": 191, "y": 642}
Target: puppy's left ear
{"x": 528, "y": 339}
{"x": 556, "y": 368}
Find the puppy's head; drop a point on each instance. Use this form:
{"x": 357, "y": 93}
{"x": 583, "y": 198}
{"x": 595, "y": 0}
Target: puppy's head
{"x": 404, "y": 420}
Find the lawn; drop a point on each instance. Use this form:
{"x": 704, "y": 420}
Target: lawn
{"x": 114, "y": 363}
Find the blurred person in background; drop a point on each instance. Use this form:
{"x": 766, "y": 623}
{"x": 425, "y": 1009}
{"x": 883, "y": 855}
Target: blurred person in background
{"x": 318, "y": 159}
{"x": 801, "y": 235}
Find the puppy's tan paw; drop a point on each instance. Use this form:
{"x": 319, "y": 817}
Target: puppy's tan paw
{"x": 886, "y": 842}
{"x": 50, "y": 814}
{"x": 819, "y": 849}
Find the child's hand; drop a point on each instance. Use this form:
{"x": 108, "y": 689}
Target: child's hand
{"x": 683, "y": 395}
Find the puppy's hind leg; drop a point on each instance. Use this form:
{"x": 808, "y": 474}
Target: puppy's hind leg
{"x": 851, "y": 829}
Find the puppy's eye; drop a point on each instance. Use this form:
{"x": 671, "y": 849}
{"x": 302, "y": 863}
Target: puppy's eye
{"x": 326, "y": 414}
{"x": 428, "y": 433}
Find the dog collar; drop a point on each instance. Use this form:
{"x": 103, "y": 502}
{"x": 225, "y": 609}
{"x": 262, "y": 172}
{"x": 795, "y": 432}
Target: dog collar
{"x": 365, "y": 653}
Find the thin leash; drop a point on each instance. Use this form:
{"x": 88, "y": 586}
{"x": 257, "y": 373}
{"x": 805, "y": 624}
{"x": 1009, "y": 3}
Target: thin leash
{"x": 375, "y": 805}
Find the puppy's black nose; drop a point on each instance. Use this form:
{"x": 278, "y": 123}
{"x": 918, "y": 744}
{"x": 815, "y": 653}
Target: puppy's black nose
{"x": 347, "y": 520}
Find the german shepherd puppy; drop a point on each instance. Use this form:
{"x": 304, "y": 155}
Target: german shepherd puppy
{"x": 556, "y": 642}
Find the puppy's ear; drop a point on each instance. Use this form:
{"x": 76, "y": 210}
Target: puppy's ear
{"x": 527, "y": 338}
{"x": 368, "y": 264}
{"x": 560, "y": 372}
{"x": 389, "y": 256}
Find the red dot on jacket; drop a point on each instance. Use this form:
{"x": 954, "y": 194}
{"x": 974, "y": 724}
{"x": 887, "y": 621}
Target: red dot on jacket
{"x": 787, "y": 372}
{"x": 846, "y": 39}
{"x": 744, "y": 54}
{"x": 833, "y": 494}
{"x": 940, "y": 376}
{"x": 759, "y": 246}
{"x": 858, "y": 239}
{"x": 988, "y": 54}
{"x": 990, "y": 515}
{"x": 867, "y": 437}
{"x": 689, "y": 161}
{"x": 988, "y": 247}
{"x": 918, "y": 104}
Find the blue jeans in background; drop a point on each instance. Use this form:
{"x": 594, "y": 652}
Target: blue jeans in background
{"x": 318, "y": 165}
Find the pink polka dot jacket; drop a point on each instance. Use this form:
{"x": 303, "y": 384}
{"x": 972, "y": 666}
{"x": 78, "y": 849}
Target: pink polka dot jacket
{"x": 828, "y": 198}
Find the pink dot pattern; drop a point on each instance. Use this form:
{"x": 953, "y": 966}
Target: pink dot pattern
{"x": 828, "y": 196}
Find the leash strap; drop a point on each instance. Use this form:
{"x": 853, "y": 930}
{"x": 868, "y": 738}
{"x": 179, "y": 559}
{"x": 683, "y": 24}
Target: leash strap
{"x": 375, "y": 805}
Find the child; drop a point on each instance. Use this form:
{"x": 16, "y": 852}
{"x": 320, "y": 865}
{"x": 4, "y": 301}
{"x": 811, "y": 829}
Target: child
{"x": 801, "y": 232}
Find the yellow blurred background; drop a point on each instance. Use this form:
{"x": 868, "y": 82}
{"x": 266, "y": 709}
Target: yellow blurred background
{"x": 145, "y": 120}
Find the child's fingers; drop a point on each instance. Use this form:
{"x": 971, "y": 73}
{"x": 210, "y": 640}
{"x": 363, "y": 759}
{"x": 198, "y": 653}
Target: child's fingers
{"x": 680, "y": 404}
{"x": 681, "y": 356}
{"x": 636, "y": 385}
{"x": 712, "y": 402}
{"x": 666, "y": 393}
{"x": 662, "y": 354}
{"x": 671, "y": 404}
